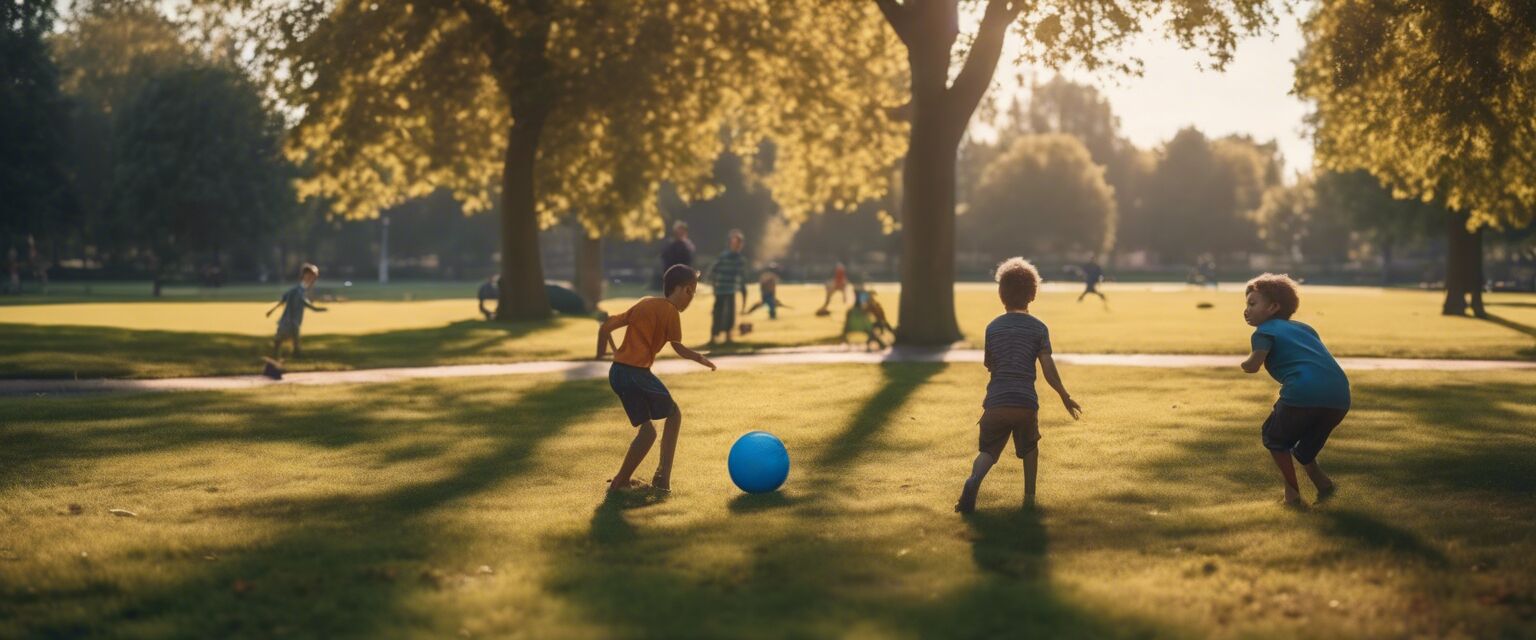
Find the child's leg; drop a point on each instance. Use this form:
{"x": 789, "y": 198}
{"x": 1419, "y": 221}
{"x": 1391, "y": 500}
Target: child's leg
{"x": 669, "y": 432}
{"x": 1031, "y": 466}
{"x": 641, "y": 445}
{"x": 1288, "y": 473}
{"x": 295, "y": 345}
{"x": 1320, "y": 480}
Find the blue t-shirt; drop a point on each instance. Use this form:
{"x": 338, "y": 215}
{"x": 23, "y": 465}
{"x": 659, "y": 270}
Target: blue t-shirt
{"x": 1307, "y": 373}
{"x": 294, "y": 302}
{"x": 1014, "y": 342}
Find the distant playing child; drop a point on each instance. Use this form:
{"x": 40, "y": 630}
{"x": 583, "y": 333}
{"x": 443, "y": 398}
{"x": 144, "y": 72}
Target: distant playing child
{"x": 652, "y": 322}
{"x": 1015, "y": 340}
{"x": 728, "y": 274}
{"x": 293, "y": 302}
{"x": 1314, "y": 392}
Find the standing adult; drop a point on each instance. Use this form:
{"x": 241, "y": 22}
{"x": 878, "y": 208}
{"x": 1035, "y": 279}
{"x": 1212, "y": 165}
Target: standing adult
{"x": 728, "y": 274}
{"x": 679, "y": 250}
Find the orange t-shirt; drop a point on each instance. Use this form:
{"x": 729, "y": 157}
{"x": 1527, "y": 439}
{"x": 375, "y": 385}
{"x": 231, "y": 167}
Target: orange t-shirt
{"x": 652, "y": 322}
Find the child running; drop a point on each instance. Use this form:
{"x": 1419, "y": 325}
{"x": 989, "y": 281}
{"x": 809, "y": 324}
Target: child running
{"x": 768, "y": 285}
{"x": 652, "y": 322}
{"x": 293, "y": 302}
{"x": 1314, "y": 392}
{"x": 1015, "y": 340}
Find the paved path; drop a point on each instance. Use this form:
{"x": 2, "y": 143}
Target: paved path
{"x": 585, "y": 370}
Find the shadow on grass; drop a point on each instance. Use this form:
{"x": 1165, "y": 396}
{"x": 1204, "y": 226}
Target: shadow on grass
{"x": 778, "y": 566}
{"x": 1371, "y": 532}
{"x": 48, "y": 351}
{"x": 900, "y": 381}
{"x": 337, "y": 565}
{"x": 753, "y": 502}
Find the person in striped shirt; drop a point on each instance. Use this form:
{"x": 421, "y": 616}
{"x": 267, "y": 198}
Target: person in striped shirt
{"x": 728, "y": 275}
{"x": 1015, "y": 340}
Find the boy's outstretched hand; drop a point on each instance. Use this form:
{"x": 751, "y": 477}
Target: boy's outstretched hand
{"x": 1072, "y": 407}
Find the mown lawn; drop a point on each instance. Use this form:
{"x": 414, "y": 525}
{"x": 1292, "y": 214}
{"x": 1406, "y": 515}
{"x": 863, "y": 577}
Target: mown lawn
{"x": 474, "y": 507}
{"x": 164, "y": 339}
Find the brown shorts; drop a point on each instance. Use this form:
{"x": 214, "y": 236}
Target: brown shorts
{"x": 998, "y": 423}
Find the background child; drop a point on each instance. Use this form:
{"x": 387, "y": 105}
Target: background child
{"x": 768, "y": 286}
{"x": 1015, "y": 340}
{"x": 1314, "y": 392}
{"x": 728, "y": 273}
{"x": 489, "y": 290}
{"x": 652, "y": 323}
{"x": 293, "y": 302}
{"x": 839, "y": 285}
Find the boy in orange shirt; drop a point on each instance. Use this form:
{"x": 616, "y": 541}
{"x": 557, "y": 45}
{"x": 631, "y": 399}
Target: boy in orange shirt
{"x": 652, "y": 322}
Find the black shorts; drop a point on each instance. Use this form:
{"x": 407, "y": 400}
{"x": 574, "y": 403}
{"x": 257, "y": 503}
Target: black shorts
{"x": 1300, "y": 430}
{"x": 642, "y": 393}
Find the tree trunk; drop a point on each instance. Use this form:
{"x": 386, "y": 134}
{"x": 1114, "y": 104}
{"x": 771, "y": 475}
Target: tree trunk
{"x": 1463, "y": 268}
{"x": 927, "y": 309}
{"x": 940, "y": 111}
{"x": 522, "y": 273}
{"x": 589, "y": 268}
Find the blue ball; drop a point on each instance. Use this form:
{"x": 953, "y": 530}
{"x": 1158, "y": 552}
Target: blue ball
{"x": 759, "y": 463}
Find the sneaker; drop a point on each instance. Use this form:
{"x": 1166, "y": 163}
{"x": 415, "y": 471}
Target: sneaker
{"x": 967, "y": 501}
{"x": 1323, "y": 495}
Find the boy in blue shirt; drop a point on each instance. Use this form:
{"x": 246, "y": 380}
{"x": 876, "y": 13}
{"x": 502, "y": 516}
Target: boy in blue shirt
{"x": 293, "y": 303}
{"x": 1015, "y": 341}
{"x": 1314, "y": 392}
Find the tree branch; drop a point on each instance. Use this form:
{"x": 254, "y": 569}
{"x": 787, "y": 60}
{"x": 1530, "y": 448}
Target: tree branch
{"x": 974, "y": 78}
{"x": 899, "y": 18}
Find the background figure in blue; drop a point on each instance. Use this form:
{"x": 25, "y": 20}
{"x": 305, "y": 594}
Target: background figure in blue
{"x": 1092, "y": 276}
{"x": 293, "y": 303}
{"x": 678, "y": 251}
{"x": 728, "y": 274}
{"x": 489, "y": 290}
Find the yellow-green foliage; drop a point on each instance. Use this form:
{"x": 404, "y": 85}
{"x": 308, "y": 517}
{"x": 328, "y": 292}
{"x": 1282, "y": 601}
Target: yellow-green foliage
{"x": 369, "y": 511}
{"x": 1433, "y": 99}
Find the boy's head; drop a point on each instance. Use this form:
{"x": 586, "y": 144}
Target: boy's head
{"x": 1271, "y": 296}
{"x": 1017, "y": 282}
{"x": 737, "y": 240}
{"x": 678, "y": 285}
{"x": 308, "y": 274}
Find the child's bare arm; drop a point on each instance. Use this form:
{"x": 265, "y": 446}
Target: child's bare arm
{"x": 1053, "y": 378}
{"x": 689, "y": 354}
{"x": 1255, "y": 360}
{"x": 605, "y": 333}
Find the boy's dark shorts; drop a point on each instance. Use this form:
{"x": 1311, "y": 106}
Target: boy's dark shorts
{"x": 642, "y": 393}
{"x": 999, "y": 423}
{"x": 1300, "y": 430}
{"x": 286, "y": 332}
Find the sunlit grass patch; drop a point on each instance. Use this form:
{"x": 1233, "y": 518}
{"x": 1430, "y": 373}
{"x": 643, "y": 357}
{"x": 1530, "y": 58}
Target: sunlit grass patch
{"x": 427, "y": 508}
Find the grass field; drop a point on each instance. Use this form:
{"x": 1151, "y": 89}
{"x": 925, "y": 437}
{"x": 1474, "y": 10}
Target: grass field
{"x": 162, "y": 339}
{"x": 474, "y": 507}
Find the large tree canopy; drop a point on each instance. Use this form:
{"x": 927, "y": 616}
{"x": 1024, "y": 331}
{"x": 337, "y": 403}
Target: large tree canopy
{"x": 33, "y": 179}
{"x": 1433, "y": 98}
{"x": 583, "y": 108}
{"x": 199, "y": 166}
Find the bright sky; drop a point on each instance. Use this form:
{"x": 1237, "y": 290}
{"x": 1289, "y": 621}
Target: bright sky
{"x": 1251, "y": 96}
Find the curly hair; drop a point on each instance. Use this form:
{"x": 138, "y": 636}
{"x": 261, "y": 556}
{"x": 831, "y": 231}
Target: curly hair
{"x": 1280, "y": 289}
{"x": 1017, "y": 282}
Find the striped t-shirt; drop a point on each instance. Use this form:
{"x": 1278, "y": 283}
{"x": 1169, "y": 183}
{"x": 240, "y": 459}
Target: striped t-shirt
{"x": 729, "y": 272}
{"x": 1014, "y": 342}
